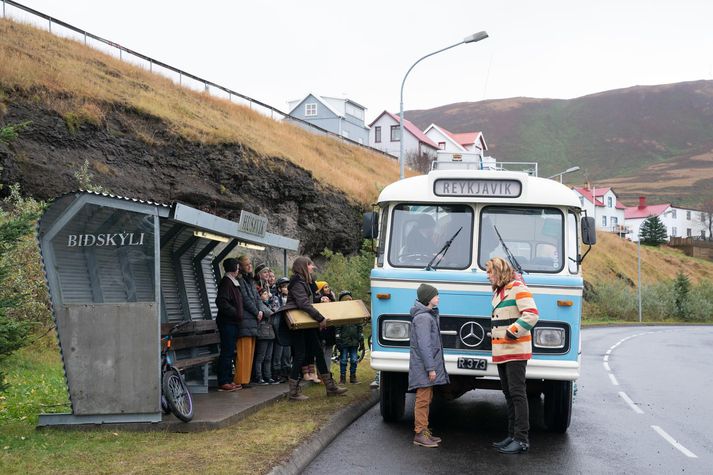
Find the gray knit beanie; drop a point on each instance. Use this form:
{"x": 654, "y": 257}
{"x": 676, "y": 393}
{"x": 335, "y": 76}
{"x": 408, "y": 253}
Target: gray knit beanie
{"x": 425, "y": 293}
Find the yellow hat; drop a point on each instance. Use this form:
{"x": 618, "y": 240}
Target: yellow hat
{"x": 320, "y": 285}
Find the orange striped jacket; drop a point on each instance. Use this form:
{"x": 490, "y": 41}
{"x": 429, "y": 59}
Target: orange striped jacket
{"x": 514, "y": 310}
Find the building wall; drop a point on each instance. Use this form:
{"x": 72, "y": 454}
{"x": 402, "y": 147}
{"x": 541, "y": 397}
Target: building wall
{"x": 411, "y": 143}
{"x": 437, "y": 136}
{"x": 681, "y": 221}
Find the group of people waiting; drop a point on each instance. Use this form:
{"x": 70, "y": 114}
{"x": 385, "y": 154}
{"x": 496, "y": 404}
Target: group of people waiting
{"x": 256, "y": 340}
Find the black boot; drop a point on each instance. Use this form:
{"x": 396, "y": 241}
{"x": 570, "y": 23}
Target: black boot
{"x": 331, "y": 386}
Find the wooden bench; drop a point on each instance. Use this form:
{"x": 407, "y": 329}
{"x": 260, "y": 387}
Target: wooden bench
{"x": 198, "y": 334}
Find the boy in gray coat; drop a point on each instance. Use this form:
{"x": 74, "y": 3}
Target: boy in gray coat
{"x": 426, "y": 365}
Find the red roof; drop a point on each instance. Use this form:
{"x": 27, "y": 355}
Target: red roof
{"x": 634, "y": 212}
{"x": 408, "y": 125}
{"x": 587, "y": 193}
{"x": 466, "y": 138}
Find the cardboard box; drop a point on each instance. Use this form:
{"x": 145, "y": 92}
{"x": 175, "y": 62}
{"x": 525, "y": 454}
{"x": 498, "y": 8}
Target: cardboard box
{"x": 346, "y": 312}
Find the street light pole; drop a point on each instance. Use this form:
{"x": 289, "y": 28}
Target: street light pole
{"x": 569, "y": 170}
{"x": 481, "y": 35}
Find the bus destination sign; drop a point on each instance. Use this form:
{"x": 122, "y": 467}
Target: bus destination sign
{"x": 479, "y": 187}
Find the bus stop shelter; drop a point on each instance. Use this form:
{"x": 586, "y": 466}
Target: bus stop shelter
{"x": 116, "y": 269}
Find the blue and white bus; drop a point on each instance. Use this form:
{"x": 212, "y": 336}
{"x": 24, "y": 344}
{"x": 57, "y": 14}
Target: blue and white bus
{"x": 483, "y": 213}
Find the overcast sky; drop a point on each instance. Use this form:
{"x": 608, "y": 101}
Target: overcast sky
{"x": 276, "y": 51}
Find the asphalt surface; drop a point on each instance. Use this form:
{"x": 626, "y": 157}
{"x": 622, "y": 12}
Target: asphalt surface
{"x": 643, "y": 405}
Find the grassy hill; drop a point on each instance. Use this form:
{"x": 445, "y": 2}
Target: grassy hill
{"x": 653, "y": 140}
{"x": 86, "y": 86}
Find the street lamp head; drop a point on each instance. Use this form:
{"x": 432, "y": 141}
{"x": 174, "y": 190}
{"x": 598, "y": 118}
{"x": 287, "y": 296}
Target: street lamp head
{"x": 481, "y": 35}
{"x": 572, "y": 169}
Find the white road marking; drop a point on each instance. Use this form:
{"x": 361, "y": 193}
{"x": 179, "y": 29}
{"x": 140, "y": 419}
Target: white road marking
{"x": 606, "y": 366}
{"x": 631, "y": 404}
{"x": 613, "y": 379}
{"x": 606, "y": 357}
{"x": 608, "y": 351}
{"x": 673, "y": 442}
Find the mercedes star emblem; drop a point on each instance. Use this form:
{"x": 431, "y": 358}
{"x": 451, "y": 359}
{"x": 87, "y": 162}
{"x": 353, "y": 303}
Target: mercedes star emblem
{"x": 471, "y": 334}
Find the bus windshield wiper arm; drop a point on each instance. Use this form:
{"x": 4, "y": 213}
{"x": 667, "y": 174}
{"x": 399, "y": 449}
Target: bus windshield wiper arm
{"x": 511, "y": 257}
{"x": 442, "y": 252}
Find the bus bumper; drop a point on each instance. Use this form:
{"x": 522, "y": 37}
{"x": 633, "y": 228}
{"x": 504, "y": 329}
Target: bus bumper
{"x": 536, "y": 368}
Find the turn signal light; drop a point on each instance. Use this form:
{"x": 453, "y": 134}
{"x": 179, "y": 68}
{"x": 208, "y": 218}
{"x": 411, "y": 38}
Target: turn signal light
{"x": 383, "y": 296}
{"x": 565, "y": 303}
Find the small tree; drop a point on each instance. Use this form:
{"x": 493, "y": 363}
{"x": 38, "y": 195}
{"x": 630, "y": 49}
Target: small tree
{"x": 681, "y": 288}
{"x": 653, "y": 232}
{"x": 419, "y": 161}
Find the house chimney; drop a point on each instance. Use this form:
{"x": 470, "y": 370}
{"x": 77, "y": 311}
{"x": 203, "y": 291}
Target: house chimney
{"x": 642, "y": 202}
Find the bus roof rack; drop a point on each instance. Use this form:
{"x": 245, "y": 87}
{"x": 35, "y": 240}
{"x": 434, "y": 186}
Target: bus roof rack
{"x": 476, "y": 161}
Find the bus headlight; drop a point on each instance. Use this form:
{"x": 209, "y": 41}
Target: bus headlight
{"x": 548, "y": 337}
{"x": 395, "y": 330}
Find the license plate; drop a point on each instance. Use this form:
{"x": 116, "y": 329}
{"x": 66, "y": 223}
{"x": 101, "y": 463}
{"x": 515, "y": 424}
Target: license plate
{"x": 472, "y": 363}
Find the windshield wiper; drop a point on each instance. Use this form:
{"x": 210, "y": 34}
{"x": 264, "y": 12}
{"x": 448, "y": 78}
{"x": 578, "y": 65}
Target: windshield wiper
{"x": 510, "y": 256}
{"x": 442, "y": 252}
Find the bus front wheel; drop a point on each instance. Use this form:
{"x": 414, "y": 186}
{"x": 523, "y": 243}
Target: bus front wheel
{"x": 392, "y": 395}
{"x": 558, "y": 405}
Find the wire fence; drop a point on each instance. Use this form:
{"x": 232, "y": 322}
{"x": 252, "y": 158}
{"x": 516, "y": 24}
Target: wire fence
{"x": 21, "y": 13}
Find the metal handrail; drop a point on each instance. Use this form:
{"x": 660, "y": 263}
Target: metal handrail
{"x": 206, "y": 83}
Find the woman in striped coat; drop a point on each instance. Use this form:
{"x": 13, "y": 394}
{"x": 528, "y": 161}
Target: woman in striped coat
{"x": 514, "y": 315}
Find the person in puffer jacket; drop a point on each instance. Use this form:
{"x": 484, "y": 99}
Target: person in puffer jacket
{"x": 514, "y": 315}
{"x": 426, "y": 367}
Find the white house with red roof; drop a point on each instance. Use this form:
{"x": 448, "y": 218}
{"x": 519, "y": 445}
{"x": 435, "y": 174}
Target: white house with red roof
{"x": 450, "y": 142}
{"x": 602, "y": 204}
{"x": 679, "y": 222}
{"x": 384, "y": 135}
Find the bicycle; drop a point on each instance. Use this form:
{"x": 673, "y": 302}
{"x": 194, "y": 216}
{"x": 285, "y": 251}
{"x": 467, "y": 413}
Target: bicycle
{"x": 175, "y": 397}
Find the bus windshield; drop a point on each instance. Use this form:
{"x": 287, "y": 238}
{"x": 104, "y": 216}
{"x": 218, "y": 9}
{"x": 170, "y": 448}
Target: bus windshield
{"x": 534, "y": 236}
{"x": 418, "y": 232}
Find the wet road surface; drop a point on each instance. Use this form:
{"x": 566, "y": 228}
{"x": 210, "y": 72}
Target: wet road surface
{"x": 643, "y": 405}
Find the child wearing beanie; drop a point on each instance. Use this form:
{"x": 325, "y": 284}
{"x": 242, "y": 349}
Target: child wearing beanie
{"x": 427, "y": 367}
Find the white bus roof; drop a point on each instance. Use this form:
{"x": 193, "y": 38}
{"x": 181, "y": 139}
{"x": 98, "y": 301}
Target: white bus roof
{"x": 534, "y": 190}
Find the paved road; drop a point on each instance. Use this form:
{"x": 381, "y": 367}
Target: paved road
{"x": 643, "y": 405}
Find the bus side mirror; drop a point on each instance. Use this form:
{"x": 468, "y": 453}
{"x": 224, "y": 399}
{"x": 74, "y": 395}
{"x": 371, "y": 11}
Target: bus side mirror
{"x": 370, "y": 225}
{"x": 589, "y": 234}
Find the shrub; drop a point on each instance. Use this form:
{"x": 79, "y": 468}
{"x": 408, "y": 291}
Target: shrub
{"x": 10, "y": 132}
{"x": 681, "y": 289}
{"x": 699, "y": 306}
{"x": 614, "y": 301}
{"x": 657, "y": 301}
{"x": 349, "y": 272}
{"x": 16, "y": 224}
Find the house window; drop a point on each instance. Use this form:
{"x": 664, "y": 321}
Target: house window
{"x": 354, "y": 111}
{"x": 604, "y": 221}
{"x": 674, "y": 231}
{"x": 689, "y": 233}
{"x": 395, "y": 133}
{"x": 377, "y": 134}
{"x": 673, "y": 214}
{"x": 442, "y": 145}
{"x": 311, "y": 109}
{"x": 688, "y": 215}
{"x": 614, "y": 221}
{"x": 609, "y": 201}
{"x": 581, "y": 200}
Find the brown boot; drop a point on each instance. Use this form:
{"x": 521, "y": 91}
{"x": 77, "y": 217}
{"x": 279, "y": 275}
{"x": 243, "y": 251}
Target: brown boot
{"x": 342, "y": 379}
{"x": 424, "y": 440}
{"x": 434, "y": 438}
{"x": 353, "y": 379}
{"x": 331, "y": 386}
{"x": 295, "y": 393}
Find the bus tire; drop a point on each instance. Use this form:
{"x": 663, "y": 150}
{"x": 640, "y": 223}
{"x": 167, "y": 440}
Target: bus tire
{"x": 558, "y": 405}
{"x": 392, "y": 395}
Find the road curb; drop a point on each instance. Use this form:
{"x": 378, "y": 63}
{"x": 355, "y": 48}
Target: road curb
{"x": 304, "y": 453}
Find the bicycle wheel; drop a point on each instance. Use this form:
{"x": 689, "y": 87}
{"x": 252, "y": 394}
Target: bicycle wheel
{"x": 177, "y": 395}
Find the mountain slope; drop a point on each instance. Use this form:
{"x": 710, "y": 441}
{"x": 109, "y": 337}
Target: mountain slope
{"x": 627, "y": 134}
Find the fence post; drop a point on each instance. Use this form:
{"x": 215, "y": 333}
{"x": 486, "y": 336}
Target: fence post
{"x": 85, "y": 38}
{"x": 50, "y": 23}
{"x": 120, "y": 56}
{"x": 180, "y": 78}
{"x": 205, "y": 87}
{"x": 150, "y": 65}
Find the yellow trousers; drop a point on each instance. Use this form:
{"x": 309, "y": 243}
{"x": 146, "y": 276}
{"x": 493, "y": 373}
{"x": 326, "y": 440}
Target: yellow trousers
{"x": 244, "y": 354}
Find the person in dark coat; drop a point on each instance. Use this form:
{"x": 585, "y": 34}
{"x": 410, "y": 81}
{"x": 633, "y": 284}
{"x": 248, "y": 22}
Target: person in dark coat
{"x": 427, "y": 367}
{"x": 349, "y": 339}
{"x": 299, "y": 296}
{"x": 281, "y": 357}
{"x": 253, "y": 311}
{"x": 230, "y": 313}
